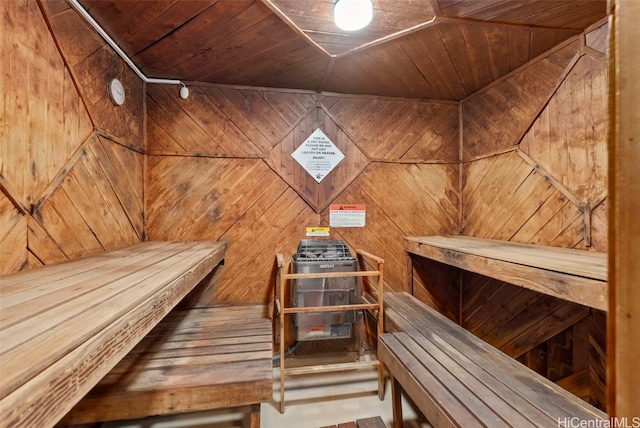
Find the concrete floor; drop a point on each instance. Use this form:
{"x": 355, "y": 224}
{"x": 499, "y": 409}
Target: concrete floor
{"x": 311, "y": 401}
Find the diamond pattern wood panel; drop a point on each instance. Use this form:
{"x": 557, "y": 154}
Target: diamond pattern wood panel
{"x": 504, "y": 198}
{"x": 13, "y": 237}
{"x": 393, "y": 129}
{"x": 496, "y": 118}
{"x": 317, "y": 195}
{"x": 569, "y": 137}
{"x": 222, "y": 121}
{"x": 92, "y": 63}
{"x": 551, "y": 190}
{"x": 42, "y": 118}
{"x": 97, "y": 206}
{"x": 240, "y": 201}
{"x": 71, "y": 193}
{"x": 401, "y": 200}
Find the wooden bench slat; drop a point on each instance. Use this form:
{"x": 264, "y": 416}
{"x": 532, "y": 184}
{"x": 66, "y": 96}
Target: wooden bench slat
{"x": 588, "y": 264}
{"x": 178, "y": 376}
{"x": 463, "y": 344}
{"x": 189, "y": 323}
{"x": 374, "y": 422}
{"x": 188, "y": 350}
{"x": 251, "y": 330}
{"x": 495, "y": 361}
{"x": 436, "y": 341}
{"x": 21, "y": 281}
{"x": 575, "y": 275}
{"x": 202, "y": 397}
{"x": 87, "y": 347}
{"x": 185, "y": 376}
{"x": 195, "y": 341}
{"x": 206, "y": 359}
{"x": 425, "y": 402}
{"x": 466, "y": 376}
{"x": 23, "y": 305}
{"x": 32, "y": 345}
{"x": 497, "y": 387}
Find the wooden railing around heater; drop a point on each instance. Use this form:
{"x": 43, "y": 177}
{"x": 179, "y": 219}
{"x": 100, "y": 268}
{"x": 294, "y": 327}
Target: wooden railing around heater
{"x": 375, "y": 308}
{"x": 578, "y": 276}
{"x": 64, "y": 326}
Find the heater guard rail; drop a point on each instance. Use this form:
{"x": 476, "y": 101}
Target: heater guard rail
{"x": 376, "y": 309}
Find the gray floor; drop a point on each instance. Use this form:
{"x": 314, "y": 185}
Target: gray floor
{"x": 311, "y": 401}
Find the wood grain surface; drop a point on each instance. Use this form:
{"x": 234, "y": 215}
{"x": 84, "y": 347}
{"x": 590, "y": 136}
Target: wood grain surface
{"x": 195, "y": 359}
{"x": 63, "y": 327}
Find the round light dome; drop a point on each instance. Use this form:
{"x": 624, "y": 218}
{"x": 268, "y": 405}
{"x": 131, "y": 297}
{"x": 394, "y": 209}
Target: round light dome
{"x": 352, "y": 15}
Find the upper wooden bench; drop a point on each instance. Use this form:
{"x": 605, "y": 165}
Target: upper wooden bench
{"x": 64, "y": 326}
{"x": 575, "y": 275}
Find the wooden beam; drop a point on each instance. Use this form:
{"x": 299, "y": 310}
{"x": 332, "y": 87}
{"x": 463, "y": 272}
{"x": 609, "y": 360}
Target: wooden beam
{"x": 18, "y": 201}
{"x": 623, "y": 347}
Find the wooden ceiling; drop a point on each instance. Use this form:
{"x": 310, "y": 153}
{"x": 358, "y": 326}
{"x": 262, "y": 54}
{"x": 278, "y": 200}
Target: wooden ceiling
{"x": 429, "y": 49}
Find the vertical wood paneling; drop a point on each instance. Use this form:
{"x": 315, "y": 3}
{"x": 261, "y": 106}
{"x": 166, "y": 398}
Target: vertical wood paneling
{"x": 569, "y": 139}
{"x": 42, "y": 119}
{"x": 93, "y": 64}
{"x": 495, "y": 119}
{"x": 624, "y": 129}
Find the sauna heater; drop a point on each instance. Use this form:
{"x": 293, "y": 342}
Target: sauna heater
{"x": 318, "y": 256}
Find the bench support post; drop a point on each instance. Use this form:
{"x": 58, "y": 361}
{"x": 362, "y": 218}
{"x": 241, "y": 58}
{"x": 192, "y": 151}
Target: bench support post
{"x": 396, "y": 402}
{"x": 255, "y": 415}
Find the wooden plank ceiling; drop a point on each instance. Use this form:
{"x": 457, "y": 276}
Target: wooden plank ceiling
{"x": 428, "y": 49}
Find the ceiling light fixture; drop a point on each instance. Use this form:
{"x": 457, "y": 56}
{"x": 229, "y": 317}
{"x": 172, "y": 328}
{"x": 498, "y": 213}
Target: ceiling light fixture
{"x": 352, "y": 15}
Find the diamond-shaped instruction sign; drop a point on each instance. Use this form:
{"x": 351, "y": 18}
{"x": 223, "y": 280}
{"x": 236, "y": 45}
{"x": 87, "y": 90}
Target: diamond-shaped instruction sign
{"x": 318, "y": 155}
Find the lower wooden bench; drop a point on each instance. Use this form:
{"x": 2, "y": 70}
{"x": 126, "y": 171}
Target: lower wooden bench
{"x": 457, "y": 380}
{"x": 195, "y": 359}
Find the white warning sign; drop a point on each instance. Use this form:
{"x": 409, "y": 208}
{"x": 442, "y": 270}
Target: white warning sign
{"x": 318, "y": 155}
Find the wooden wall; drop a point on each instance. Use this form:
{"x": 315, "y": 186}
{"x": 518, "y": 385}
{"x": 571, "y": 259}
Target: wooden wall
{"x": 78, "y": 177}
{"x": 219, "y": 167}
{"x": 71, "y": 163}
{"x": 535, "y": 171}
